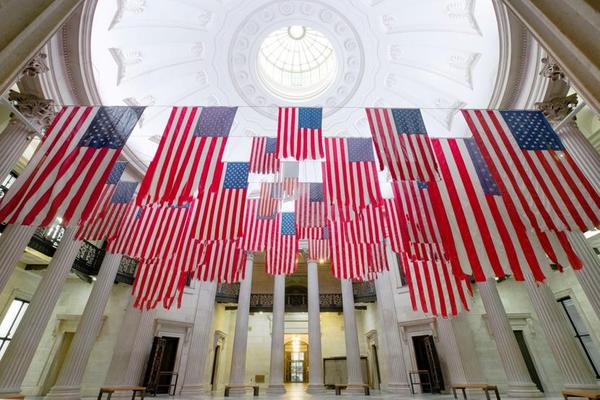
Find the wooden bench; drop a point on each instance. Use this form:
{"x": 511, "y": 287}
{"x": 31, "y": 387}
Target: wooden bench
{"x": 254, "y": 388}
{"x": 111, "y": 390}
{"x": 483, "y": 386}
{"x": 12, "y": 396}
{"x": 590, "y": 394}
{"x": 364, "y": 386}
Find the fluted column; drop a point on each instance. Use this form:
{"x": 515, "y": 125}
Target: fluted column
{"x": 397, "y": 378}
{"x": 351, "y": 335}
{"x": 315, "y": 355}
{"x": 237, "y": 375}
{"x": 519, "y": 380}
{"x": 68, "y": 384}
{"x": 22, "y": 347}
{"x": 568, "y": 356}
{"x": 277, "y": 336}
{"x": 132, "y": 375}
{"x": 13, "y": 242}
{"x": 194, "y": 383}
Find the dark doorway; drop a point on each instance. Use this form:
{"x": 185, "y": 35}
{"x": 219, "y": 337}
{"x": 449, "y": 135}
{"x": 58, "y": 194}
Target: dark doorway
{"x": 528, "y": 360}
{"x": 167, "y": 364}
{"x": 215, "y": 366}
{"x": 427, "y": 360}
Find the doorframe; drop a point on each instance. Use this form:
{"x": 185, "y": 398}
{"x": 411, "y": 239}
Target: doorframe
{"x": 373, "y": 359}
{"x": 182, "y": 331}
{"x": 418, "y": 327}
{"x": 219, "y": 339}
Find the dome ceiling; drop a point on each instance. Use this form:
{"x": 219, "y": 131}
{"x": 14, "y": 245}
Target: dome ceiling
{"x": 439, "y": 55}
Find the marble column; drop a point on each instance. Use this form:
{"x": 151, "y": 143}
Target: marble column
{"x": 351, "y": 335}
{"x": 20, "y": 352}
{"x": 194, "y": 383}
{"x": 68, "y": 384}
{"x": 397, "y": 377}
{"x": 13, "y": 242}
{"x": 142, "y": 346}
{"x": 519, "y": 380}
{"x": 568, "y": 356}
{"x": 277, "y": 336}
{"x": 315, "y": 355}
{"x": 237, "y": 375}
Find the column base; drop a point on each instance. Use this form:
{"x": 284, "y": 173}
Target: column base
{"x": 239, "y": 392}
{"x": 354, "y": 390}
{"x": 398, "y": 388}
{"x": 582, "y": 386}
{"x": 195, "y": 391}
{"x": 276, "y": 389}
{"x": 316, "y": 389}
{"x": 64, "y": 393}
{"x": 524, "y": 391}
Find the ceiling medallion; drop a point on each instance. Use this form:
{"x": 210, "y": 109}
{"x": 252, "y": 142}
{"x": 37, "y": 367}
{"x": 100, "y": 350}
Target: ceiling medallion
{"x": 297, "y": 19}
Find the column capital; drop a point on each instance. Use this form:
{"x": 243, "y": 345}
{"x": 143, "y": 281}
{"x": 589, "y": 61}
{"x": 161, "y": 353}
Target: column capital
{"x": 40, "y": 112}
{"x": 558, "y": 108}
{"x": 551, "y": 69}
{"x": 35, "y": 66}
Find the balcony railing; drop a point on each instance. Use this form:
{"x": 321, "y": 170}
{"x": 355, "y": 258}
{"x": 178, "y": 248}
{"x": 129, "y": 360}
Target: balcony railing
{"x": 364, "y": 292}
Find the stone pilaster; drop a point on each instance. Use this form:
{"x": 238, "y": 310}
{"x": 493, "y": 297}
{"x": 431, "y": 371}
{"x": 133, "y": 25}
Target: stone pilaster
{"x": 519, "y": 380}
{"x": 13, "y": 242}
{"x": 68, "y": 384}
{"x": 568, "y": 356}
{"x": 315, "y": 355}
{"x": 351, "y": 335}
{"x": 277, "y": 336}
{"x": 396, "y": 374}
{"x": 237, "y": 375}
{"x": 20, "y": 352}
{"x": 194, "y": 383}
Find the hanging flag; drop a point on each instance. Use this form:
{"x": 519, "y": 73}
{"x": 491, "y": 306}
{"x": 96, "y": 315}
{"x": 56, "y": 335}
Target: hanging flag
{"x": 222, "y": 261}
{"x": 349, "y": 172}
{"x": 402, "y": 143}
{"x": 67, "y": 173}
{"x": 288, "y": 178}
{"x": 318, "y": 249}
{"x": 268, "y": 200}
{"x": 282, "y": 250}
{"x": 256, "y": 231}
{"x": 189, "y": 155}
{"x": 157, "y": 281}
{"x": 348, "y": 260}
{"x": 106, "y": 224}
{"x": 529, "y": 160}
{"x": 487, "y": 236}
{"x": 263, "y": 156}
{"x": 311, "y": 208}
{"x": 220, "y": 214}
{"x": 299, "y": 133}
{"x": 366, "y": 226}
{"x": 434, "y": 288}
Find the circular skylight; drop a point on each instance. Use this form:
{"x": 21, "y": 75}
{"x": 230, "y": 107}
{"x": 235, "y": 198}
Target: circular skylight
{"x": 296, "y": 63}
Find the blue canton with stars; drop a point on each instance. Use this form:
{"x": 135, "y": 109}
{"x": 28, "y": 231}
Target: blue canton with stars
{"x": 111, "y": 127}
{"x": 270, "y": 145}
{"x": 408, "y": 121}
{"x": 422, "y": 185}
{"x": 215, "y": 121}
{"x": 315, "y": 192}
{"x": 325, "y": 233}
{"x": 360, "y": 149}
{"x": 532, "y": 131}
{"x": 236, "y": 175}
{"x": 310, "y": 117}
{"x": 116, "y": 172}
{"x": 123, "y": 192}
{"x": 487, "y": 181}
{"x": 288, "y": 223}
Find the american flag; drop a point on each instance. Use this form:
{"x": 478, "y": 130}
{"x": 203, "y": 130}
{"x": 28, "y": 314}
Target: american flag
{"x": 319, "y": 249}
{"x": 402, "y": 143}
{"x": 158, "y": 280}
{"x": 299, "y": 133}
{"x": 366, "y": 226}
{"x": 485, "y": 233}
{"x": 106, "y": 225}
{"x": 434, "y": 288}
{"x": 282, "y": 250}
{"x": 67, "y": 173}
{"x": 311, "y": 207}
{"x": 268, "y": 200}
{"x": 220, "y": 214}
{"x": 348, "y": 260}
{"x": 263, "y": 156}
{"x": 530, "y": 161}
{"x": 349, "y": 172}
{"x": 256, "y": 231}
{"x": 288, "y": 178}
{"x": 222, "y": 261}
{"x": 189, "y": 155}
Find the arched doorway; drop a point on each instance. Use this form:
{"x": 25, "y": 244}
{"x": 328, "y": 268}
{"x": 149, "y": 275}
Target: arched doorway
{"x": 296, "y": 359}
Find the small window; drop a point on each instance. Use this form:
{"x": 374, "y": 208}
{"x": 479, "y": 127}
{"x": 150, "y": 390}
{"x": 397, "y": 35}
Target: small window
{"x": 11, "y": 322}
{"x": 581, "y": 333}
